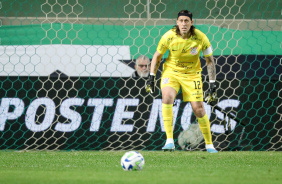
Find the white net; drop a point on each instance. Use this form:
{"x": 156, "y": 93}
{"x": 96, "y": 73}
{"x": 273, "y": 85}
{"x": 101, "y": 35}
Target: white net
{"x": 66, "y": 65}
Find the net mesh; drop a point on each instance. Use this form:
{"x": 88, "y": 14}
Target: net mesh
{"x": 66, "y": 65}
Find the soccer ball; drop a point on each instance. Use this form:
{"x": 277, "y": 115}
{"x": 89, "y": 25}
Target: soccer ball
{"x": 132, "y": 161}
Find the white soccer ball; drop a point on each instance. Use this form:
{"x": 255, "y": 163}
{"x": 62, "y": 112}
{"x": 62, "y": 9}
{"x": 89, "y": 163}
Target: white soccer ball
{"x": 132, "y": 161}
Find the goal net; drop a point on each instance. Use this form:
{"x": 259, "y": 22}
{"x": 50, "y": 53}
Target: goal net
{"x": 66, "y": 65}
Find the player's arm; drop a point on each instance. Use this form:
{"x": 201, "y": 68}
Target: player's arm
{"x": 156, "y": 61}
{"x": 211, "y": 68}
{"x": 155, "y": 64}
{"x": 211, "y": 93}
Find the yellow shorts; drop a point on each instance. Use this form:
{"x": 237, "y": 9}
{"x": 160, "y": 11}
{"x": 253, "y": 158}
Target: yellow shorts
{"x": 191, "y": 84}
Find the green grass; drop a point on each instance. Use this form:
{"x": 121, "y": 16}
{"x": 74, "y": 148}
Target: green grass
{"x": 94, "y": 167}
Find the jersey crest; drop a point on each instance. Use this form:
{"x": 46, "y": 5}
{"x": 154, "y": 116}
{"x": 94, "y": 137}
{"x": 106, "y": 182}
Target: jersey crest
{"x": 194, "y": 51}
{"x": 166, "y": 80}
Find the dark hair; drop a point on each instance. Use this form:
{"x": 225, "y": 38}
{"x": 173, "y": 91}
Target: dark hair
{"x": 189, "y": 14}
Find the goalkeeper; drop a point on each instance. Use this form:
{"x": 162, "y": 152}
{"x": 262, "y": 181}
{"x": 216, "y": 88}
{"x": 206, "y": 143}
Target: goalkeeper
{"x": 182, "y": 68}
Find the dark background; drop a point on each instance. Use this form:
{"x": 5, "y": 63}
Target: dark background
{"x": 257, "y": 90}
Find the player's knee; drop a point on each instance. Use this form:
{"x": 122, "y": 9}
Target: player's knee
{"x": 168, "y": 98}
{"x": 199, "y": 112}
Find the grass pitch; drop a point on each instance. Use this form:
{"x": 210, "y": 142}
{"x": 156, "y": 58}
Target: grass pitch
{"x": 178, "y": 167}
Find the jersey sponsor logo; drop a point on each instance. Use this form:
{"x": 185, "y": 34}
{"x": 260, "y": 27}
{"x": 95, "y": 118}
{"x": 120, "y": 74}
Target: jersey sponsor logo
{"x": 188, "y": 62}
{"x": 169, "y": 39}
{"x": 196, "y": 94}
{"x": 161, "y": 48}
{"x": 194, "y": 51}
{"x": 166, "y": 80}
{"x": 184, "y": 51}
{"x": 181, "y": 65}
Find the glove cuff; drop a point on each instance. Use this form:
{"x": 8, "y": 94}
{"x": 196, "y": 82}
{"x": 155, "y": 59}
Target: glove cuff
{"x": 212, "y": 85}
{"x": 152, "y": 77}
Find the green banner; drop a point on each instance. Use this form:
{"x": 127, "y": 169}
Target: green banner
{"x": 141, "y": 39}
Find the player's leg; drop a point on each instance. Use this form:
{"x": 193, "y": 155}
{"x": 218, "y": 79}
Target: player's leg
{"x": 192, "y": 88}
{"x": 169, "y": 88}
{"x": 168, "y": 95}
{"x": 204, "y": 124}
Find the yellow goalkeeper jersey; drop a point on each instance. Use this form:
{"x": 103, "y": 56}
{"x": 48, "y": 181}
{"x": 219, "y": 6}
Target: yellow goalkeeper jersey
{"x": 184, "y": 55}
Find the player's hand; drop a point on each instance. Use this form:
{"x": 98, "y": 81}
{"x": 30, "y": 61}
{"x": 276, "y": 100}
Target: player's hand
{"x": 150, "y": 86}
{"x": 210, "y": 95}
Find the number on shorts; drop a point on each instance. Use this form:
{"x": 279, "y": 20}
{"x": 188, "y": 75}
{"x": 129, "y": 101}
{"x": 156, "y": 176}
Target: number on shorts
{"x": 197, "y": 84}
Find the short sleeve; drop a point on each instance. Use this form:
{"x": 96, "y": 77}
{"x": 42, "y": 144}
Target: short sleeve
{"x": 206, "y": 42}
{"x": 162, "y": 46}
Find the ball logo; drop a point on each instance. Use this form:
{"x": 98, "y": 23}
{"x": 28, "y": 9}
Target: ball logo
{"x": 194, "y": 51}
{"x": 132, "y": 161}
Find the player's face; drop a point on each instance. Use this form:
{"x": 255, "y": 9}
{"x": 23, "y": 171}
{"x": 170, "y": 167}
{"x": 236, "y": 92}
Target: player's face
{"x": 184, "y": 23}
{"x": 142, "y": 68}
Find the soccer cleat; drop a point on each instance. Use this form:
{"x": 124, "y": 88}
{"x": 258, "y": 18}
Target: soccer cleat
{"x": 169, "y": 147}
{"x": 212, "y": 150}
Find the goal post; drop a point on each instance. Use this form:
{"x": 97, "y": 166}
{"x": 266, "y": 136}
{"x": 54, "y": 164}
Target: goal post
{"x": 65, "y": 70}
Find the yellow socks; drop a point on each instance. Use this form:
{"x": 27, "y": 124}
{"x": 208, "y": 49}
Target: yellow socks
{"x": 204, "y": 124}
{"x": 168, "y": 120}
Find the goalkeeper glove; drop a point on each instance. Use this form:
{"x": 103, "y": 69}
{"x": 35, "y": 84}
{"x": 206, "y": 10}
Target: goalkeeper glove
{"x": 210, "y": 95}
{"x": 150, "y": 86}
